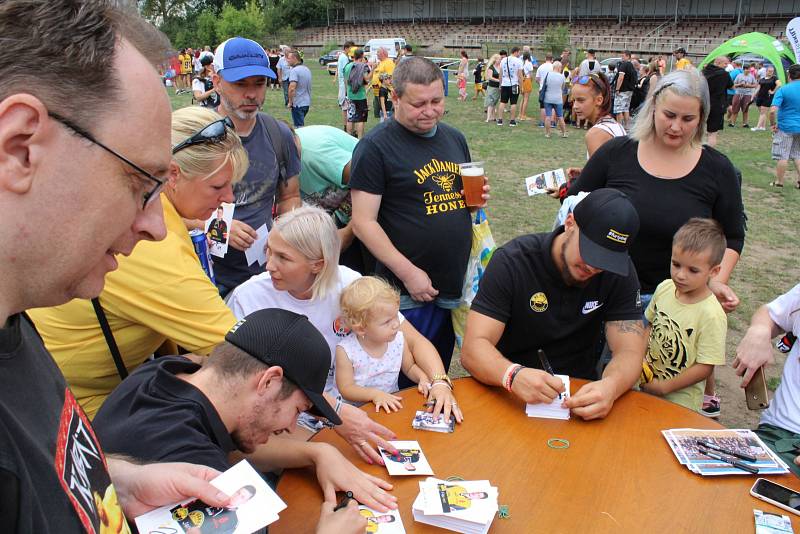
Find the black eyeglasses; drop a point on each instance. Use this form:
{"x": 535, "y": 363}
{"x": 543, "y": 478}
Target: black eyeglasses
{"x": 150, "y": 195}
{"x": 215, "y": 132}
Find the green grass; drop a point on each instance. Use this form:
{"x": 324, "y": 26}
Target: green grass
{"x": 767, "y": 267}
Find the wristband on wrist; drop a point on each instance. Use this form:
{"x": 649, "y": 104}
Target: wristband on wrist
{"x": 507, "y": 375}
{"x": 338, "y": 407}
{"x": 514, "y": 374}
{"x": 441, "y": 382}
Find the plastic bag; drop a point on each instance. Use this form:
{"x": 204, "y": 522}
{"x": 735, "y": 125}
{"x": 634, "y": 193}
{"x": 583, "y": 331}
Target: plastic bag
{"x": 483, "y": 246}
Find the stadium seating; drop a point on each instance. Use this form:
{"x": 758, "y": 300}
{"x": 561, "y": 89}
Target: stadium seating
{"x": 698, "y": 36}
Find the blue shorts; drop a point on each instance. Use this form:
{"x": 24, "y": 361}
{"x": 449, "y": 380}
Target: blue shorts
{"x": 548, "y": 109}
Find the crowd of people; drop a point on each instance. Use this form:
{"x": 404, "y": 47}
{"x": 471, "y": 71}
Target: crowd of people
{"x": 119, "y": 356}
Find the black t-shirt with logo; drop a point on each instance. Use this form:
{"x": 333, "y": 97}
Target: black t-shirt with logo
{"x": 53, "y": 473}
{"x": 523, "y": 288}
{"x": 631, "y": 77}
{"x": 422, "y": 209}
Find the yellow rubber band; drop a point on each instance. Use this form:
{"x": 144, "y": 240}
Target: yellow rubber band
{"x": 558, "y": 443}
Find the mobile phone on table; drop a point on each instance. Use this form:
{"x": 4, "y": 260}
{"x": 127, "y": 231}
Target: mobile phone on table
{"x": 756, "y": 393}
{"x": 773, "y": 493}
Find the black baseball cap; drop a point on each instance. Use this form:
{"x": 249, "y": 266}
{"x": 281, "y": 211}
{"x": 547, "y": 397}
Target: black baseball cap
{"x": 607, "y": 224}
{"x": 290, "y": 341}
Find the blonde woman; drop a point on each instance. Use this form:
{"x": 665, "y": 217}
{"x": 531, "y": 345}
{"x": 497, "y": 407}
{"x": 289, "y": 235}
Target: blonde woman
{"x": 304, "y": 276}
{"x": 670, "y": 177}
{"x": 492, "y": 76}
{"x": 160, "y": 292}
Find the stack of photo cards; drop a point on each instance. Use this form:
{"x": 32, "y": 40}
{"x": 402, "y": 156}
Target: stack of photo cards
{"x": 540, "y": 183}
{"x": 409, "y": 459}
{"x": 553, "y": 410}
{"x": 253, "y": 506}
{"x": 735, "y": 445}
{"x": 425, "y": 421}
{"x": 218, "y": 229}
{"x": 382, "y": 522}
{"x": 467, "y": 506}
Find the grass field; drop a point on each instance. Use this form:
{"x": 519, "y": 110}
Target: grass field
{"x": 767, "y": 267}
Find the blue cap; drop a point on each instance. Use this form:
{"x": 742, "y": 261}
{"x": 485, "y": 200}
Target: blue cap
{"x": 239, "y": 58}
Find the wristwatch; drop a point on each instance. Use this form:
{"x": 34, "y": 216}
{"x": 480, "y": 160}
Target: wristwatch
{"x": 444, "y": 378}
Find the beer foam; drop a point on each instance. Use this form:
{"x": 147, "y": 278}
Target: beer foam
{"x": 472, "y": 171}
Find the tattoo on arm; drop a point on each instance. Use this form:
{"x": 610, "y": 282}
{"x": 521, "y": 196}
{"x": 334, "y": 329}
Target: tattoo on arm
{"x": 627, "y": 327}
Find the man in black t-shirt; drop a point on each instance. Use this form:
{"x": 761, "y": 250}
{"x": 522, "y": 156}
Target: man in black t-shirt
{"x": 272, "y": 365}
{"x": 554, "y": 292}
{"x": 408, "y": 207}
{"x": 625, "y": 84}
{"x": 87, "y": 158}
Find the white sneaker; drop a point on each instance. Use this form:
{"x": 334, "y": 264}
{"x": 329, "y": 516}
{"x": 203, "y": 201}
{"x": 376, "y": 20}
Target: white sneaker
{"x": 756, "y": 129}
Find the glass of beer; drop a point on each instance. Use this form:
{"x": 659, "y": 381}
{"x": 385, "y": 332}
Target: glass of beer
{"x": 472, "y": 178}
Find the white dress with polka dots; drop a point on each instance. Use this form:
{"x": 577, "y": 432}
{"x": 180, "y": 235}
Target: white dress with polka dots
{"x": 371, "y": 372}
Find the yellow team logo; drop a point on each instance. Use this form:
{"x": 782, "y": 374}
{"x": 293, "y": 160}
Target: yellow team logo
{"x": 445, "y": 181}
{"x": 539, "y": 302}
{"x": 196, "y": 517}
{"x": 619, "y": 237}
{"x": 180, "y": 513}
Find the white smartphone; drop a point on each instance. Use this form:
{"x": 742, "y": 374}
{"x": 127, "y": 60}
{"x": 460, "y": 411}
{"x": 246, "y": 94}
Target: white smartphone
{"x": 780, "y": 496}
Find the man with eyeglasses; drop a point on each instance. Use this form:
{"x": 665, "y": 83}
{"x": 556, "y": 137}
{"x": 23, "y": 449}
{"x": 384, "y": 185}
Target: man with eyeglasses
{"x": 70, "y": 190}
{"x": 242, "y": 69}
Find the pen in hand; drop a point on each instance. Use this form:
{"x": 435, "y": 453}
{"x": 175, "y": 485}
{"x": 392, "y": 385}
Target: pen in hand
{"x": 545, "y": 363}
{"x": 346, "y": 499}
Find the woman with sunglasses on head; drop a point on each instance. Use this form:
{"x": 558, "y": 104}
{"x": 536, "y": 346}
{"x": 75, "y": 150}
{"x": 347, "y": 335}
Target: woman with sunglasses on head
{"x": 591, "y": 102}
{"x": 160, "y": 292}
{"x": 670, "y": 177}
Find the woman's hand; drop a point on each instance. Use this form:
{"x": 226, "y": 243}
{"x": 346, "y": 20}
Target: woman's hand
{"x": 442, "y": 401}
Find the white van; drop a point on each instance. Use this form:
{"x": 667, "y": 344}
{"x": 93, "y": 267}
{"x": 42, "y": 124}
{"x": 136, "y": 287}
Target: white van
{"x": 390, "y": 44}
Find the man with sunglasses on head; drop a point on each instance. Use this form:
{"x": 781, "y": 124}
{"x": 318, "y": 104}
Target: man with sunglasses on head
{"x": 76, "y": 199}
{"x": 242, "y": 69}
{"x": 555, "y": 292}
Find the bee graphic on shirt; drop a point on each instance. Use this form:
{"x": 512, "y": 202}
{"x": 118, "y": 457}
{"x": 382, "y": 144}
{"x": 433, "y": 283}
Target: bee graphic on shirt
{"x": 445, "y": 181}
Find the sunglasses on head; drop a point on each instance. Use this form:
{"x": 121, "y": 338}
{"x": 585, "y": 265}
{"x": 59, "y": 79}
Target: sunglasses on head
{"x": 584, "y": 80}
{"x": 215, "y": 132}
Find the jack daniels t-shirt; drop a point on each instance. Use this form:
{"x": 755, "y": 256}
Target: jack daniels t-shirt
{"x": 53, "y": 474}
{"x": 422, "y": 210}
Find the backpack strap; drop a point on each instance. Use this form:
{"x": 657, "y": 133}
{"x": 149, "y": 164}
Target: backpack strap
{"x": 110, "y": 341}
{"x": 273, "y": 129}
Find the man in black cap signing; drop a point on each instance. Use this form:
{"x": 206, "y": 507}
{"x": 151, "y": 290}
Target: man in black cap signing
{"x": 555, "y": 292}
{"x": 272, "y": 365}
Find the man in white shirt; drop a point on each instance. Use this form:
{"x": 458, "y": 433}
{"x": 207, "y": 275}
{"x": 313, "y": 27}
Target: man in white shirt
{"x": 509, "y": 85}
{"x": 780, "y": 423}
{"x": 541, "y": 72}
{"x": 589, "y": 65}
{"x": 341, "y": 62}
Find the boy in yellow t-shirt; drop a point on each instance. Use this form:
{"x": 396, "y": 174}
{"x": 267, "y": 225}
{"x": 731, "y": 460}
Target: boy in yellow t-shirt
{"x": 687, "y": 323}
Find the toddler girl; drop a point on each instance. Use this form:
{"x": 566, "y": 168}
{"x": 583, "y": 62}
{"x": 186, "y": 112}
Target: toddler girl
{"x": 369, "y": 360}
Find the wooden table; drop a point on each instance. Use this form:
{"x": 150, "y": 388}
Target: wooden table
{"x": 618, "y": 474}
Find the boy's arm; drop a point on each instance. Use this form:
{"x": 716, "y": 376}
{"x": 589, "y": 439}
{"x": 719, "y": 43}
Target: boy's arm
{"x": 687, "y": 377}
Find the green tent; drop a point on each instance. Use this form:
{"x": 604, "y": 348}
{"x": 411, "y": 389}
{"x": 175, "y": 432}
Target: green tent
{"x": 754, "y": 43}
